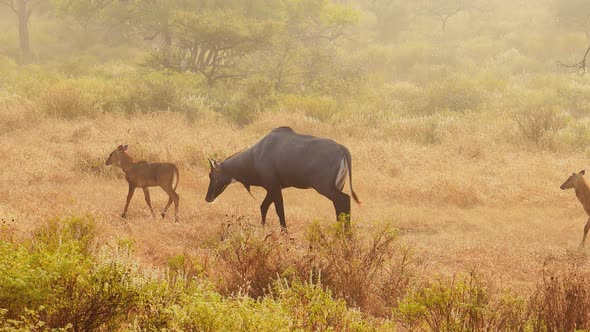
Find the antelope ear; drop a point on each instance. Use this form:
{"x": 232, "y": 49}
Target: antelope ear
{"x": 212, "y": 163}
{"x": 123, "y": 147}
{"x": 582, "y": 172}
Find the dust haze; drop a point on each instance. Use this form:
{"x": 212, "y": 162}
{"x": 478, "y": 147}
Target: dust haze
{"x": 463, "y": 118}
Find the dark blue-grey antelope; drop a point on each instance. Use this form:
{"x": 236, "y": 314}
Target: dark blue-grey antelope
{"x": 283, "y": 159}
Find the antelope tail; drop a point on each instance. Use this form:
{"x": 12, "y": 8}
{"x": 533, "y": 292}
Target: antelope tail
{"x": 177, "y": 177}
{"x": 349, "y": 165}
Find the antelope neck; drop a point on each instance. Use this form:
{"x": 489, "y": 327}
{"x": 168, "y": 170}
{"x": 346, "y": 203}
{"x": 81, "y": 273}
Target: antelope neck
{"x": 126, "y": 161}
{"x": 582, "y": 189}
{"x": 239, "y": 166}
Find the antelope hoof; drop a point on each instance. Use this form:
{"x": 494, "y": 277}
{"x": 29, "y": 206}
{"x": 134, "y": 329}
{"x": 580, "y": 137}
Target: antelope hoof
{"x": 163, "y": 214}
{"x": 124, "y": 215}
{"x": 284, "y": 230}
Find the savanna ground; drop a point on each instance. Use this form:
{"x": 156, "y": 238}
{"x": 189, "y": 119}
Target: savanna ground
{"x": 472, "y": 201}
{"x": 460, "y": 135}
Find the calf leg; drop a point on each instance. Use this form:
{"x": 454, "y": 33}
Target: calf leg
{"x": 129, "y": 196}
{"x": 172, "y": 197}
{"x": 176, "y": 202}
{"x": 586, "y": 228}
{"x": 146, "y": 193}
{"x": 264, "y": 206}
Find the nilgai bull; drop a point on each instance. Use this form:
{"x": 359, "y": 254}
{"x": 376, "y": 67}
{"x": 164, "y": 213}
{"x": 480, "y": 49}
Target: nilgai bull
{"x": 283, "y": 159}
{"x": 143, "y": 175}
{"x": 582, "y": 189}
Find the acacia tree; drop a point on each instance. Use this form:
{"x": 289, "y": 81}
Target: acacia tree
{"x": 214, "y": 43}
{"x": 106, "y": 19}
{"x": 391, "y": 15}
{"x": 23, "y": 10}
{"x": 443, "y": 10}
{"x": 304, "y": 49}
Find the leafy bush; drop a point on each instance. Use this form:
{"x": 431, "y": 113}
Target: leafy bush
{"x": 463, "y": 305}
{"x": 250, "y": 259}
{"x": 314, "y": 309}
{"x": 370, "y": 274}
{"x": 79, "y": 232}
{"x": 151, "y": 94}
{"x": 203, "y": 309}
{"x": 60, "y": 284}
{"x": 454, "y": 95}
{"x": 539, "y": 125}
{"x": 100, "y": 297}
{"x": 66, "y": 100}
{"x": 318, "y": 107}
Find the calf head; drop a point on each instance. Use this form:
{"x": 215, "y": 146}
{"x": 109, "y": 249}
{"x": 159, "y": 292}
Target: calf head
{"x": 114, "y": 157}
{"x": 572, "y": 180}
{"x": 218, "y": 181}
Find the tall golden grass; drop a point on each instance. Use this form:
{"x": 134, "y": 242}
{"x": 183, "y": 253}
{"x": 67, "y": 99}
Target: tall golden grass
{"x": 474, "y": 197}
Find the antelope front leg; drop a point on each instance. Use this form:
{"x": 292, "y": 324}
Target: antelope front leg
{"x": 129, "y": 196}
{"x": 586, "y": 228}
{"x": 146, "y": 193}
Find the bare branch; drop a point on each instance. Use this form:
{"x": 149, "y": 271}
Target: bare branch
{"x": 10, "y": 4}
{"x": 579, "y": 66}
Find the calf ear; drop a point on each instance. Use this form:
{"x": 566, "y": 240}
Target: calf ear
{"x": 582, "y": 172}
{"x": 123, "y": 147}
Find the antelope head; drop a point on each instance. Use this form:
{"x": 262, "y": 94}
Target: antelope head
{"x": 572, "y": 180}
{"x": 115, "y": 156}
{"x": 218, "y": 181}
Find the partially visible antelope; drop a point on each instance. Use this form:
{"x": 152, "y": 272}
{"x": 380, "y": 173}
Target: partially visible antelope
{"x": 579, "y": 184}
{"x": 143, "y": 175}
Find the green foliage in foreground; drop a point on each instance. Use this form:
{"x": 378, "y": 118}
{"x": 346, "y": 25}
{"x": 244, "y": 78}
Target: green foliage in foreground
{"x": 60, "y": 281}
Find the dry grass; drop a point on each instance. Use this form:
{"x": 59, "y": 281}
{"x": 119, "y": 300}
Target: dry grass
{"x": 471, "y": 199}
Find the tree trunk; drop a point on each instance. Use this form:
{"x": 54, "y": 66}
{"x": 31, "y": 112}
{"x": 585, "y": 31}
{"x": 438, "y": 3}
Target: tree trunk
{"x": 23, "y": 31}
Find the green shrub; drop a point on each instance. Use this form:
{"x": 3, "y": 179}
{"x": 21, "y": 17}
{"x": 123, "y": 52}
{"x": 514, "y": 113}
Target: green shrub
{"x": 203, "y": 309}
{"x": 101, "y": 296}
{"x": 573, "y": 137}
{"x": 79, "y": 232}
{"x": 57, "y": 279}
{"x": 461, "y": 305}
{"x": 538, "y": 124}
{"x": 314, "y": 309}
{"x": 251, "y": 259}
{"x": 371, "y": 274}
{"x": 319, "y": 107}
{"x": 150, "y": 94}
{"x": 457, "y": 95}
{"x": 66, "y": 100}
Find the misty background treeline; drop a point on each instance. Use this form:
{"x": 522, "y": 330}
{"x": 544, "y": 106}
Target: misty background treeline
{"x": 371, "y": 59}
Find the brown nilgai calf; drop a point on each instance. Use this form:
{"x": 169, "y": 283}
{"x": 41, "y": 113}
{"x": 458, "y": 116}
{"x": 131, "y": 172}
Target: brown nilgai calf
{"x": 141, "y": 174}
{"x": 577, "y": 181}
